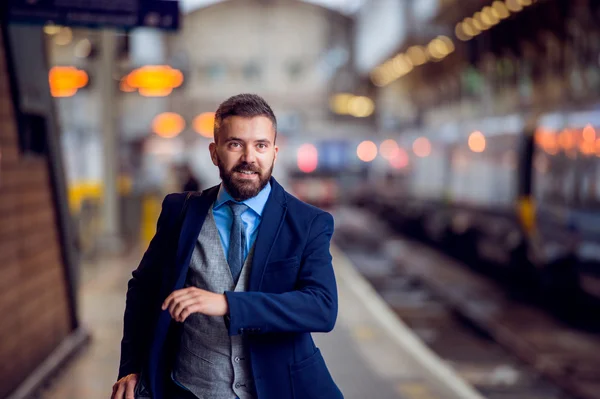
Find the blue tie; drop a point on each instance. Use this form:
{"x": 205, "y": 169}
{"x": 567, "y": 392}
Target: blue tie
{"x": 237, "y": 240}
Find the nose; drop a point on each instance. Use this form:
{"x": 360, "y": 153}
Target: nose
{"x": 249, "y": 155}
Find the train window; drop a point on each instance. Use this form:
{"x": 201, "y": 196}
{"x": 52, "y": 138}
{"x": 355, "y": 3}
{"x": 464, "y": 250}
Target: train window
{"x": 459, "y": 174}
{"x": 488, "y": 178}
{"x": 555, "y": 178}
{"x": 429, "y": 174}
{"x": 589, "y": 182}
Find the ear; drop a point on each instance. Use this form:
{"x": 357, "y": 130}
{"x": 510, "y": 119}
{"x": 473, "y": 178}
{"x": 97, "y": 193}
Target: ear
{"x": 275, "y": 157}
{"x": 212, "y": 148}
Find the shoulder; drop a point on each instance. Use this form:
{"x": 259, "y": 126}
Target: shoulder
{"x": 173, "y": 200}
{"x": 300, "y": 209}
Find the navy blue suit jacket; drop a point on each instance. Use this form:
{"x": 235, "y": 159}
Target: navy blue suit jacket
{"x": 292, "y": 292}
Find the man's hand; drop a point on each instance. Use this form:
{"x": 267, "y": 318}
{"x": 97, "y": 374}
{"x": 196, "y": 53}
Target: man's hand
{"x": 124, "y": 388}
{"x": 182, "y": 303}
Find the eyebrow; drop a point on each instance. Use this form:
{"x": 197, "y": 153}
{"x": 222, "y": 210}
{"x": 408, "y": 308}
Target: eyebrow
{"x": 267, "y": 141}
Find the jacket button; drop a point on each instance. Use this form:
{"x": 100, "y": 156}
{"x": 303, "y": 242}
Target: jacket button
{"x": 237, "y": 385}
{"x": 237, "y": 359}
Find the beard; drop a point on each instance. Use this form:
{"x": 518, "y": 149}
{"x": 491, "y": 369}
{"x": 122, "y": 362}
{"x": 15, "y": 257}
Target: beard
{"x": 241, "y": 189}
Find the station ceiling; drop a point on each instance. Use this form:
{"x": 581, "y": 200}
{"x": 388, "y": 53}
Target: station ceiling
{"x": 347, "y": 7}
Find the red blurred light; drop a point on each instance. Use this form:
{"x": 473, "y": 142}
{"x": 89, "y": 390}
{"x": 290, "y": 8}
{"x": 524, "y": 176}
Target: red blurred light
{"x": 400, "y": 159}
{"x": 308, "y": 158}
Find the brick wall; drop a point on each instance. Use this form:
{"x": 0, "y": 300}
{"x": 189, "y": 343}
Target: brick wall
{"x": 34, "y": 308}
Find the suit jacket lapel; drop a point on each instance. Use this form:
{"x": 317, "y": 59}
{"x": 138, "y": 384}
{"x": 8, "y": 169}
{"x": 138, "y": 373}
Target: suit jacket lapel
{"x": 194, "y": 219}
{"x": 272, "y": 220}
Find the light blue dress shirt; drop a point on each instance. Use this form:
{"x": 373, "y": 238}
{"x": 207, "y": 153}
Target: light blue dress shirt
{"x": 251, "y": 217}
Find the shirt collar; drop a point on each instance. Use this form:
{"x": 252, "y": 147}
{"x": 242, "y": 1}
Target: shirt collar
{"x": 257, "y": 203}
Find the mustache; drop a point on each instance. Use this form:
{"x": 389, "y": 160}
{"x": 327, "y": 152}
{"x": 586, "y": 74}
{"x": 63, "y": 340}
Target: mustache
{"x": 245, "y": 167}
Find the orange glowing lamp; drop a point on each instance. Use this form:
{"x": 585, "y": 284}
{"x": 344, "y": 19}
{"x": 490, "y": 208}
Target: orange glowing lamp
{"x": 168, "y": 124}
{"x": 66, "y": 80}
{"x": 587, "y": 147}
{"x": 204, "y": 124}
{"x": 124, "y": 86}
{"x": 154, "y": 80}
{"x": 589, "y": 133}
{"x": 566, "y": 139}
{"x": 547, "y": 140}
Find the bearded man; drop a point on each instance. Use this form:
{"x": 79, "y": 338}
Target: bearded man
{"x": 236, "y": 279}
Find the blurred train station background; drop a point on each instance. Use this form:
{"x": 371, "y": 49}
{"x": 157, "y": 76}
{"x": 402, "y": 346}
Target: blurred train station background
{"x": 455, "y": 142}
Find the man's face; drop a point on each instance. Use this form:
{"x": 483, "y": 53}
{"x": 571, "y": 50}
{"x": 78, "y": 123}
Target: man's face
{"x": 245, "y": 153}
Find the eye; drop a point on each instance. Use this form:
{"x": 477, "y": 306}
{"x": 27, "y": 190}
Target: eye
{"x": 234, "y": 144}
{"x": 262, "y": 146}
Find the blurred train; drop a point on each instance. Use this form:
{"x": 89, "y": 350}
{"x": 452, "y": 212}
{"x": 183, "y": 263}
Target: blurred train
{"x": 325, "y": 171}
{"x": 517, "y": 197}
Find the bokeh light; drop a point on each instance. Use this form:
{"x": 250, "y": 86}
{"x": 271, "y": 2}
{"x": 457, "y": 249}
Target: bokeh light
{"x": 308, "y": 158}
{"x": 476, "y": 142}
{"x": 422, "y": 147}
{"x": 366, "y": 151}
{"x": 204, "y": 124}
{"x": 388, "y": 149}
{"x": 400, "y": 159}
{"x": 66, "y": 80}
{"x": 168, "y": 124}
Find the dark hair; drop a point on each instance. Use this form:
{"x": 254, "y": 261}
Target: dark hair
{"x": 244, "y": 105}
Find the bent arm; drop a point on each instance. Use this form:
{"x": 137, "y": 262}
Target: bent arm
{"x": 312, "y": 307}
{"x": 142, "y": 293}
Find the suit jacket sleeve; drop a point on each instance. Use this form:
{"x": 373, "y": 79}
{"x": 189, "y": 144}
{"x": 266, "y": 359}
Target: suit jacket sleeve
{"x": 142, "y": 295}
{"x": 312, "y": 307}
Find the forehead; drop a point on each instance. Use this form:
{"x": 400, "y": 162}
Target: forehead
{"x": 253, "y": 128}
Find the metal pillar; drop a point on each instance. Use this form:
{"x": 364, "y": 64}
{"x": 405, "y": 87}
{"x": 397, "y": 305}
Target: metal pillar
{"x": 111, "y": 239}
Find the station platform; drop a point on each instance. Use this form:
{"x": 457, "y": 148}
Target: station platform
{"x": 371, "y": 353}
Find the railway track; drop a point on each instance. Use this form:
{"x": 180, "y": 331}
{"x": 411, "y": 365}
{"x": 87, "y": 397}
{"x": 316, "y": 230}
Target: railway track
{"x": 503, "y": 347}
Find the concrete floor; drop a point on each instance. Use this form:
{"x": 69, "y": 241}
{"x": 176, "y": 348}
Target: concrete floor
{"x": 364, "y": 358}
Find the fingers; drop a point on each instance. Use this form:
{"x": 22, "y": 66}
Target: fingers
{"x": 130, "y": 389}
{"x": 189, "y": 310}
{"x": 181, "y": 303}
{"x": 125, "y": 387}
{"x": 181, "y": 306}
{"x": 176, "y": 294}
{"x": 178, "y": 300}
{"x": 120, "y": 391}
{"x": 183, "y": 300}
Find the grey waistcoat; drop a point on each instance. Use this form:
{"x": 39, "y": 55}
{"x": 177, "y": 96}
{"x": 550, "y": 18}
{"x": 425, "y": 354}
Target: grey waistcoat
{"x": 210, "y": 363}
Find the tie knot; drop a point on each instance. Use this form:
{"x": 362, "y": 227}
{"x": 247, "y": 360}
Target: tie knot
{"x": 237, "y": 209}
